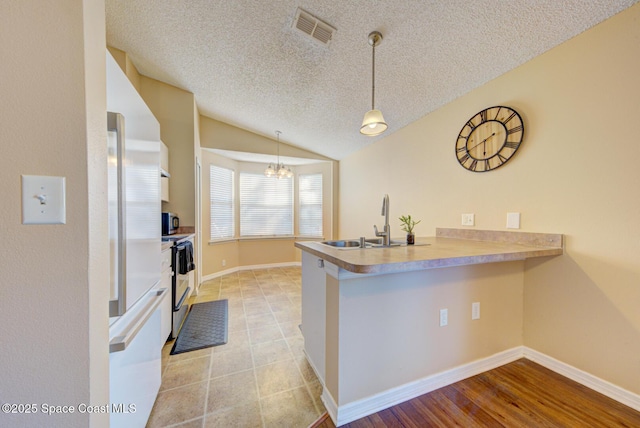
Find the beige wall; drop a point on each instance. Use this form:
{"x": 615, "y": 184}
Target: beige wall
{"x": 389, "y": 325}
{"x": 576, "y": 173}
{"x": 54, "y": 284}
{"x": 174, "y": 109}
{"x": 220, "y": 135}
{"x": 127, "y": 66}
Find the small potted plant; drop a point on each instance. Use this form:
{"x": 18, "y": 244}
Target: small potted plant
{"x": 407, "y": 224}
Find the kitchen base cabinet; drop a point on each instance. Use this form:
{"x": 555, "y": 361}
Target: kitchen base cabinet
{"x": 313, "y": 312}
{"x": 371, "y": 316}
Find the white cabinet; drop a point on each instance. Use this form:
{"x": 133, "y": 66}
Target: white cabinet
{"x": 165, "y": 306}
{"x": 314, "y": 312}
{"x": 164, "y": 172}
{"x": 164, "y": 189}
{"x": 164, "y": 160}
{"x": 135, "y": 376}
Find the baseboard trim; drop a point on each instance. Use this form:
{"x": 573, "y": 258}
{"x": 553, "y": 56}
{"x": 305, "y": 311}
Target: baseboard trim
{"x": 331, "y": 406}
{"x": 350, "y": 412}
{"x": 602, "y": 386}
{"x": 250, "y": 267}
{"x": 355, "y": 410}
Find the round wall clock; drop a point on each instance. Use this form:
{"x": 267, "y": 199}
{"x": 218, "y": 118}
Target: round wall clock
{"x": 489, "y": 139}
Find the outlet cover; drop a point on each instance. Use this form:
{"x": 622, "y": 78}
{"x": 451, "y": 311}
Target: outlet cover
{"x": 468, "y": 219}
{"x": 444, "y": 317}
{"x": 513, "y": 220}
{"x": 475, "y": 311}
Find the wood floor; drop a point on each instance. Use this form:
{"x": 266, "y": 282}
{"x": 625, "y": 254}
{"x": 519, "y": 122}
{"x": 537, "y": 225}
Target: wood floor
{"x": 519, "y": 394}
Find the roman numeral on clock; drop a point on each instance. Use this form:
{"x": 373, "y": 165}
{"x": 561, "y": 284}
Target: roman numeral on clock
{"x": 511, "y": 145}
{"x": 464, "y": 158}
{"x": 514, "y": 130}
{"x": 511, "y": 116}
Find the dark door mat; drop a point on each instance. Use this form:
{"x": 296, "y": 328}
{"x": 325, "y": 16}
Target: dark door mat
{"x": 205, "y": 326}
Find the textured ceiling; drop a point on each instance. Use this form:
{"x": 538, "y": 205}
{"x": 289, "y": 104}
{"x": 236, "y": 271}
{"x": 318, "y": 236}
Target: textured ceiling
{"x": 248, "y": 67}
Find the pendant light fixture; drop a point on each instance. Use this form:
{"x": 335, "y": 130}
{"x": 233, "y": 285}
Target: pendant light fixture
{"x": 280, "y": 170}
{"x": 373, "y": 123}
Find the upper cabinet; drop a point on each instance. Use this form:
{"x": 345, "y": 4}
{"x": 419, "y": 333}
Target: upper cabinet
{"x": 164, "y": 160}
{"x": 164, "y": 172}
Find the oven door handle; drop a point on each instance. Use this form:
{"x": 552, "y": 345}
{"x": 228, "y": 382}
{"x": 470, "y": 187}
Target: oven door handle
{"x": 184, "y": 296}
{"x": 120, "y": 343}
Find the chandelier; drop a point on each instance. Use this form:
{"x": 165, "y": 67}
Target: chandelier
{"x": 279, "y": 170}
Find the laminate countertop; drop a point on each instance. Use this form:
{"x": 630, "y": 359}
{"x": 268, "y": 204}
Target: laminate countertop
{"x": 450, "y": 247}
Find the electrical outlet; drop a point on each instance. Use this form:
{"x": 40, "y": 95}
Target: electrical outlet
{"x": 444, "y": 317}
{"x": 475, "y": 311}
{"x": 224, "y": 263}
{"x": 468, "y": 219}
{"x": 513, "y": 220}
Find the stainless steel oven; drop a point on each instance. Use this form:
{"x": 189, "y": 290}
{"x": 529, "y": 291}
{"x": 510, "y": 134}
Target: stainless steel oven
{"x": 182, "y": 280}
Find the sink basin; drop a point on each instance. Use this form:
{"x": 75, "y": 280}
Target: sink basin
{"x": 343, "y": 243}
{"x": 369, "y": 243}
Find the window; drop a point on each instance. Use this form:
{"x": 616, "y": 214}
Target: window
{"x": 222, "y": 204}
{"x": 266, "y": 206}
{"x": 310, "y": 200}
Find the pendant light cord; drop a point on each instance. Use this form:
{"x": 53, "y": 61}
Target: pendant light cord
{"x": 373, "y": 77}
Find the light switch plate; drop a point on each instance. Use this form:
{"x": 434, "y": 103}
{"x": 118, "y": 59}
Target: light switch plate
{"x": 43, "y": 200}
{"x": 513, "y": 220}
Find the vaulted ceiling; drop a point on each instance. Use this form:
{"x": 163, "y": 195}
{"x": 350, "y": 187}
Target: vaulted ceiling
{"x": 248, "y": 66}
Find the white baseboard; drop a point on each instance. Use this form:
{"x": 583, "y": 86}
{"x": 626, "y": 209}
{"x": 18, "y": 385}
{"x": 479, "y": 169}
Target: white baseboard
{"x": 602, "y": 386}
{"x": 358, "y": 409}
{"x": 241, "y": 268}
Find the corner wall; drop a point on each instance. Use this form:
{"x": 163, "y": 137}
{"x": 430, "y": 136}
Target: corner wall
{"x": 54, "y": 286}
{"x": 576, "y": 173}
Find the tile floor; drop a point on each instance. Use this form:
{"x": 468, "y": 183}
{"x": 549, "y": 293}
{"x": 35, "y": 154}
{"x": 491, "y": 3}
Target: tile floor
{"x": 260, "y": 378}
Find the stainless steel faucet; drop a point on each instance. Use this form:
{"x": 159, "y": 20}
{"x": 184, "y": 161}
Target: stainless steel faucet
{"x": 386, "y": 233}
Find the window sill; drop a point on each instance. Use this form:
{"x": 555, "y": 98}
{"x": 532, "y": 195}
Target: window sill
{"x": 262, "y": 238}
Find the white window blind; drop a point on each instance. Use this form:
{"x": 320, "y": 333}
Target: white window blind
{"x": 221, "y": 197}
{"x": 266, "y": 205}
{"x": 310, "y": 200}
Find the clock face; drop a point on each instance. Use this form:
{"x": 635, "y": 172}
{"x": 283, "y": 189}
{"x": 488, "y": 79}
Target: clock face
{"x": 489, "y": 139}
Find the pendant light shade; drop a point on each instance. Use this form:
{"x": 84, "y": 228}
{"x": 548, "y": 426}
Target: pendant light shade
{"x": 373, "y": 123}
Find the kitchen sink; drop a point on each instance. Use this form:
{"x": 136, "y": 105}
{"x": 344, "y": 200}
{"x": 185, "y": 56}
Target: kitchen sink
{"x": 354, "y": 244}
{"x": 343, "y": 243}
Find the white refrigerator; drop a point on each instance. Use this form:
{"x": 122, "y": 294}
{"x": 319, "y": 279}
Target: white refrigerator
{"x": 135, "y": 342}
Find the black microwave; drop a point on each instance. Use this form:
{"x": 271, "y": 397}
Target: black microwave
{"x": 170, "y": 223}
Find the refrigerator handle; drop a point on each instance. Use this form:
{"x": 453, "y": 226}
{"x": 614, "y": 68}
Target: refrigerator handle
{"x": 118, "y": 306}
{"x": 120, "y": 343}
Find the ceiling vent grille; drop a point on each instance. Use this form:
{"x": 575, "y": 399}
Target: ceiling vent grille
{"x": 310, "y": 25}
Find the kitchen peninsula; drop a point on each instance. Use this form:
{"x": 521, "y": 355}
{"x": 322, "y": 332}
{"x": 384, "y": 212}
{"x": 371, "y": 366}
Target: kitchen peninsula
{"x": 385, "y": 324}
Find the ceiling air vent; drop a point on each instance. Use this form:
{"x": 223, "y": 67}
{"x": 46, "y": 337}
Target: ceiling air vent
{"x": 310, "y": 25}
